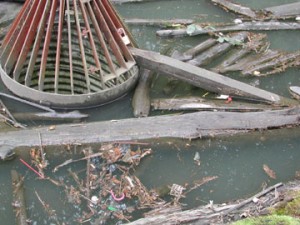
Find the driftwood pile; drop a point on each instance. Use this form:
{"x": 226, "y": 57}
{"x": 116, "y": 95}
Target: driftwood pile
{"x": 262, "y": 203}
{"x": 246, "y": 52}
{"x": 235, "y": 107}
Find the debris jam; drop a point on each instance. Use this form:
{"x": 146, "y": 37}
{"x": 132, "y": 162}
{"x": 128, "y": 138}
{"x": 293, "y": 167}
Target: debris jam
{"x": 109, "y": 191}
{"x": 105, "y": 191}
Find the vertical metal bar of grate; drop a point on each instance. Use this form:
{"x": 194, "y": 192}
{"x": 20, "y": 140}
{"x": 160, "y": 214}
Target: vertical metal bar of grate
{"x": 46, "y": 45}
{"x": 36, "y": 45}
{"x": 58, "y": 47}
{"x": 114, "y": 24}
{"x": 29, "y": 39}
{"x": 101, "y": 39}
{"x": 70, "y": 46}
{"x": 17, "y": 45}
{"x": 81, "y": 47}
{"x": 14, "y": 30}
{"x": 92, "y": 43}
{"x": 109, "y": 37}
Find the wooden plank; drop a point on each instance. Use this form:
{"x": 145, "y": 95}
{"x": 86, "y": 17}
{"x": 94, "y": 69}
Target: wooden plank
{"x": 203, "y": 78}
{"x": 141, "y": 97}
{"x": 285, "y": 11}
{"x": 237, "y": 8}
{"x": 190, "y": 126}
{"x": 202, "y": 104}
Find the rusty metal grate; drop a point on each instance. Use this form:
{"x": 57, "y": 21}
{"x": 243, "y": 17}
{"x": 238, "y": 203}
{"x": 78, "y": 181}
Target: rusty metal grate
{"x": 67, "y": 53}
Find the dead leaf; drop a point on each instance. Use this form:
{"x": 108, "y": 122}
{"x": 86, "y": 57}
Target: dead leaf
{"x": 269, "y": 171}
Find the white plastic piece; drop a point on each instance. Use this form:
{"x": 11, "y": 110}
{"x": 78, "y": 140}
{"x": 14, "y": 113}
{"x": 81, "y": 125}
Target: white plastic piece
{"x": 94, "y": 200}
{"x": 255, "y": 200}
{"x": 223, "y": 97}
{"x": 124, "y": 36}
{"x": 238, "y": 21}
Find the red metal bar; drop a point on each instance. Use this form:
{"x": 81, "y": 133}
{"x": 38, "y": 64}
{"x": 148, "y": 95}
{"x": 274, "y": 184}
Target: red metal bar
{"x": 81, "y": 46}
{"x": 101, "y": 40}
{"x": 59, "y": 39}
{"x": 70, "y": 46}
{"x": 10, "y": 37}
{"x": 92, "y": 43}
{"x": 37, "y": 44}
{"x": 29, "y": 39}
{"x": 17, "y": 45}
{"x": 46, "y": 45}
{"x": 114, "y": 23}
{"x": 109, "y": 37}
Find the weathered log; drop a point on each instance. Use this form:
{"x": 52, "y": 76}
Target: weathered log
{"x": 252, "y": 60}
{"x": 6, "y": 152}
{"x": 245, "y": 26}
{"x": 282, "y": 60}
{"x": 202, "y": 78}
{"x": 251, "y": 199}
{"x": 235, "y": 56}
{"x": 18, "y": 198}
{"x": 201, "y": 47}
{"x": 190, "y": 54}
{"x": 190, "y": 126}
{"x": 157, "y": 22}
{"x": 206, "y": 57}
{"x": 201, "y": 104}
{"x": 53, "y": 116}
{"x": 141, "y": 97}
{"x": 255, "y": 44}
{"x": 204, "y": 215}
{"x": 285, "y": 11}
{"x": 236, "y": 8}
{"x": 295, "y": 92}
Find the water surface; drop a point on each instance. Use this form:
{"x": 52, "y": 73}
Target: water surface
{"x": 237, "y": 160}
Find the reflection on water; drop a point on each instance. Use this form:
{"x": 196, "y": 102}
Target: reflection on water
{"x": 237, "y": 161}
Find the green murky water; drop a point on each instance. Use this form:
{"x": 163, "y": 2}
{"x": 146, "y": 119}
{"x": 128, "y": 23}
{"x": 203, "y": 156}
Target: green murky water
{"x": 237, "y": 161}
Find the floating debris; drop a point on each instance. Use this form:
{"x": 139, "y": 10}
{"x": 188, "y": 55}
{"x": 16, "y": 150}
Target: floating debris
{"x": 269, "y": 171}
{"x": 197, "y": 158}
{"x": 177, "y": 190}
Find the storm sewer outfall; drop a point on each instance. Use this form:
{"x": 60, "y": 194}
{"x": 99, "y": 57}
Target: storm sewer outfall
{"x": 68, "y": 54}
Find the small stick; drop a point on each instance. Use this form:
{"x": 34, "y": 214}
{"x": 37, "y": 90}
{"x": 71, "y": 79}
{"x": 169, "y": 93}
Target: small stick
{"x": 7, "y": 111}
{"x": 88, "y": 164}
{"x": 250, "y": 199}
{"x": 41, "y": 149}
{"x": 47, "y": 208}
{"x": 67, "y": 162}
{"x": 12, "y": 122}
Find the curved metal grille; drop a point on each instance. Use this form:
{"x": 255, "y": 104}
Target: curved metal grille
{"x": 58, "y": 50}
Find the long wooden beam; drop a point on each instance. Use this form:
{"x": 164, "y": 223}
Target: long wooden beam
{"x": 203, "y": 78}
{"x": 189, "y": 126}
